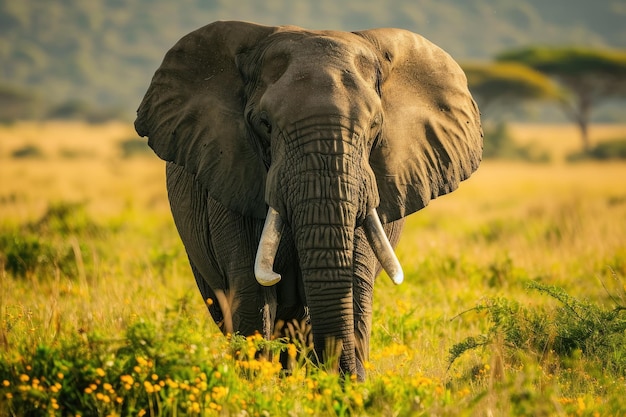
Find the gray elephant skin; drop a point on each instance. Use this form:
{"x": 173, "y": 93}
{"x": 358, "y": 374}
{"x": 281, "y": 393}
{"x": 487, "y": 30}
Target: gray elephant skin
{"x": 293, "y": 157}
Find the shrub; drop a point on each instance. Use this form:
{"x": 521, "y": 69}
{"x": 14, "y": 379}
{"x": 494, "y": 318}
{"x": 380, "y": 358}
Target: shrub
{"x": 134, "y": 147}
{"x": 43, "y": 245}
{"x": 27, "y": 151}
{"x": 65, "y": 218}
{"x": 574, "y": 326}
{"x": 498, "y": 143}
{"x": 613, "y": 149}
{"x": 23, "y": 254}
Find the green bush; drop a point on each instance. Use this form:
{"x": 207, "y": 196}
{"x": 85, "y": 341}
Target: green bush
{"x": 27, "y": 151}
{"x": 612, "y": 149}
{"x": 573, "y": 326}
{"x": 65, "y": 218}
{"x": 24, "y": 254}
{"x": 134, "y": 147}
{"x": 44, "y": 245}
{"x": 498, "y": 143}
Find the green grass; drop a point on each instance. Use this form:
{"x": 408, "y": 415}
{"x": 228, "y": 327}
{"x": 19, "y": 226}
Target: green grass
{"x": 512, "y": 302}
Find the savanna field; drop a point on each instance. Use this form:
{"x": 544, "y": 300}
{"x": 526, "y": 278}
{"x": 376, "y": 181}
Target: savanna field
{"x": 514, "y": 301}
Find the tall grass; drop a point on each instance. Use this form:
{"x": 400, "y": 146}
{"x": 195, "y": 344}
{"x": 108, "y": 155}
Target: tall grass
{"x": 99, "y": 313}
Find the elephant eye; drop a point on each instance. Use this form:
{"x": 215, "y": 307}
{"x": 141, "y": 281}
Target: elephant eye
{"x": 376, "y": 122}
{"x": 265, "y": 122}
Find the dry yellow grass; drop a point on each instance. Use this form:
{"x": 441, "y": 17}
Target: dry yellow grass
{"x": 80, "y": 163}
{"x": 110, "y": 184}
{"x": 564, "y": 223}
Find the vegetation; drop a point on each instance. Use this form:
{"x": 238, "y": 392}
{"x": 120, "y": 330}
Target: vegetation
{"x": 512, "y": 304}
{"x": 72, "y": 58}
{"x": 612, "y": 150}
{"x": 498, "y": 143}
{"x": 507, "y": 84}
{"x": 588, "y": 75}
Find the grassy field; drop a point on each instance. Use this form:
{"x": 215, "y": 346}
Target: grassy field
{"x": 513, "y": 302}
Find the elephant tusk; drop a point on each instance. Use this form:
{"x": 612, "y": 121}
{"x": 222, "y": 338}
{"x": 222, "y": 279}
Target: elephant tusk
{"x": 268, "y": 246}
{"x": 382, "y": 248}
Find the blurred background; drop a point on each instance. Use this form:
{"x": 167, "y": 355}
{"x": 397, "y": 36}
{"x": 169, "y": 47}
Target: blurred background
{"x": 527, "y": 60}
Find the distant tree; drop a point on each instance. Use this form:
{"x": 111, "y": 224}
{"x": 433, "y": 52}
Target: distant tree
{"x": 507, "y": 83}
{"x": 497, "y": 85}
{"x": 17, "y": 104}
{"x": 589, "y": 75}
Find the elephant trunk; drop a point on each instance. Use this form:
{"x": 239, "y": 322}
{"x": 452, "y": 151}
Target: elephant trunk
{"x": 324, "y": 235}
{"x": 320, "y": 184}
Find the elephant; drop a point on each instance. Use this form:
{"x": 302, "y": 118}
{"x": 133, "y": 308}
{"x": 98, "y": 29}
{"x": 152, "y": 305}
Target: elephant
{"x": 293, "y": 157}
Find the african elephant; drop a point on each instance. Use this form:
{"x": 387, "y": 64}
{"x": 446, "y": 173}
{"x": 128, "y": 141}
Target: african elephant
{"x": 293, "y": 157}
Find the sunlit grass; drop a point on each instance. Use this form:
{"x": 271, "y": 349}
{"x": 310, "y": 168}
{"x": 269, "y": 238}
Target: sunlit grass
{"x": 108, "y": 319}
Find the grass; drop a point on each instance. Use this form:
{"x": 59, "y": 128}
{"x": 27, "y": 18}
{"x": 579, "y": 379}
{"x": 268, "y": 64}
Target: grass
{"x": 99, "y": 313}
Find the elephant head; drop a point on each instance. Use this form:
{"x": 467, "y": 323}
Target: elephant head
{"x": 325, "y": 131}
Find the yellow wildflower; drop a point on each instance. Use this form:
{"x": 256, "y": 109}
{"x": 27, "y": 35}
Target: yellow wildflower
{"x": 148, "y": 387}
{"x": 291, "y": 350}
{"x": 127, "y": 379}
{"x": 6, "y": 383}
{"x": 24, "y": 378}
{"x": 100, "y": 372}
{"x": 581, "y": 404}
{"x": 219, "y": 392}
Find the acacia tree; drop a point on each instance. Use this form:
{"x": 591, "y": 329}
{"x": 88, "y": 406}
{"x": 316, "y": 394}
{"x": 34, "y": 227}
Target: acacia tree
{"x": 506, "y": 83}
{"x": 588, "y": 75}
{"x": 502, "y": 85}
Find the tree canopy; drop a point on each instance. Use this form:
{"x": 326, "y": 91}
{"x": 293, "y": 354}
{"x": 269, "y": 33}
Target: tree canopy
{"x": 589, "y": 75}
{"x": 510, "y": 82}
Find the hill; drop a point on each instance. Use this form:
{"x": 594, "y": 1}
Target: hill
{"x": 73, "y": 55}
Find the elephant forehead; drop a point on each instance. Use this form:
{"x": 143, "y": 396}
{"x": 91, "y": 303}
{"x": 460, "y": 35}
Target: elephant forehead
{"x": 316, "y": 52}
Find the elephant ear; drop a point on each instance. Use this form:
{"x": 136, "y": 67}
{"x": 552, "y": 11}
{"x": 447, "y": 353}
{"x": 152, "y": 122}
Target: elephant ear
{"x": 193, "y": 114}
{"x": 431, "y": 134}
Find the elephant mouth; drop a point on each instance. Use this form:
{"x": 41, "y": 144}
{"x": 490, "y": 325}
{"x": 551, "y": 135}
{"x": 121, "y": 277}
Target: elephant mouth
{"x": 272, "y": 232}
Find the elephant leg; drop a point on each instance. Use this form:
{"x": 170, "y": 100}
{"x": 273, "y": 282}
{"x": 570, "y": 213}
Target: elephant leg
{"x": 234, "y": 240}
{"x": 221, "y": 246}
{"x": 209, "y": 296}
{"x": 366, "y": 268}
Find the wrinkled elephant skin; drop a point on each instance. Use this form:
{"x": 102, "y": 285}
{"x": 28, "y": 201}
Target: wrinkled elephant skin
{"x": 293, "y": 157}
